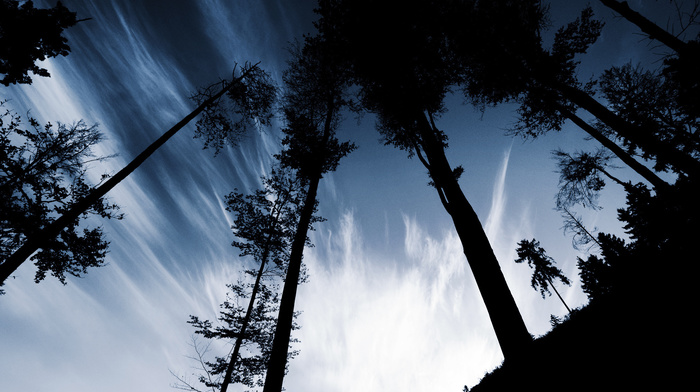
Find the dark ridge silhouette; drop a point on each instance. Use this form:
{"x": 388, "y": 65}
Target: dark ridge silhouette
{"x": 636, "y": 332}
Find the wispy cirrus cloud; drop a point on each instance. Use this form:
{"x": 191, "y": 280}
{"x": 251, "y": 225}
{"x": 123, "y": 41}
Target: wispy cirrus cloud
{"x": 414, "y": 323}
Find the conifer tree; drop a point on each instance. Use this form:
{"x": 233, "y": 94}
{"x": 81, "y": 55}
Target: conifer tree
{"x": 264, "y": 226}
{"x": 400, "y": 59}
{"x": 43, "y": 172}
{"x": 315, "y": 95}
{"x": 248, "y": 99}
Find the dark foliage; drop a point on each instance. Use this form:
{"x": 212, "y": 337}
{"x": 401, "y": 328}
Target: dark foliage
{"x": 251, "y": 364}
{"x": 544, "y": 272}
{"x": 402, "y": 58}
{"x": 248, "y": 103}
{"x": 42, "y": 174}
{"x": 29, "y": 35}
{"x": 581, "y": 177}
{"x": 650, "y": 101}
{"x": 628, "y": 342}
{"x": 682, "y": 71}
{"x": 264, "y": 226}
{"x": 315, "y": 93}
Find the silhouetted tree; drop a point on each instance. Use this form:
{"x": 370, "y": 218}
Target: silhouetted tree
{"x": 315, "y": 95}
{"x": 580, "y": 177}
{"x": 264, "y": 227}
{"x": 544, "y": 81}
{"x": 651, "y": 29}
{"x": 223, "y": 121}
{"x": 600, "y": 274}
{"x": 249, "y": 323}
{"x": 400, "y": 60}
{"x": 28, "y": 35}
{"x": 42, "y": 174}
{"x": 41, "y": 238}
{"x": 649, "y": 100}
{"x": 544, "y": 272}
{"x": 581, "y": 236}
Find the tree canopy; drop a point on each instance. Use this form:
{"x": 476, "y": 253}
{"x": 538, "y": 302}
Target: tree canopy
{"x": 29, "y": 35}
{"x": 43, "y": 174}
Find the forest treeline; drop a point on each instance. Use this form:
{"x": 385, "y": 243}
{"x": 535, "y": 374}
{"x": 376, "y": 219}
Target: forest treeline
{"x": 398, "y": 62}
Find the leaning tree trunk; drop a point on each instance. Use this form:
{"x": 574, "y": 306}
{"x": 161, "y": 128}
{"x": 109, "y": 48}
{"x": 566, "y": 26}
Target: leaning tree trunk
{"x": 647, "y": 26}
{"x": 505, "y": 317}
{"x": 635, "y": 165}
{"x": 280, "y": 345}
{"x": 551, "y": 284}
{"x": 244, "y": 325}
{"x": 640, "y": 136}
{"x": 39, "y": 239}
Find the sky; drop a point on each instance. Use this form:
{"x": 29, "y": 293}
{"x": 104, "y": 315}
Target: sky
{"x": 390, "y": 304}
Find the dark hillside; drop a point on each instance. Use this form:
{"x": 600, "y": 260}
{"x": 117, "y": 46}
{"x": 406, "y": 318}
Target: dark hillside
{"x": 622, "y": 343}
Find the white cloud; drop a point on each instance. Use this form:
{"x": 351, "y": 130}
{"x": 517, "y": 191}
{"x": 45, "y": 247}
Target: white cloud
{"x": 374, "y": 325}
{"x": 498, "y": 200}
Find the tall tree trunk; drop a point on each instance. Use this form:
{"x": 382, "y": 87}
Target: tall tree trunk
{"x": 647, "y": 26}
{"x": 639, "y": 136}
{"x": 505, "y": 317}
{"x": 39, "y": 239}
{"x": 277, "y": 365}
{"x": 635, "y": 165}
{"x": 283, "y": 332}
{"x": 244, "y": 326}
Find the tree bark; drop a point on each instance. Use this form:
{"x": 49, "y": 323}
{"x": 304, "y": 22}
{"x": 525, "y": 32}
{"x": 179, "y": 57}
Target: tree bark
{"x": 38, "y": 239}
{"x": 505, "y": 317}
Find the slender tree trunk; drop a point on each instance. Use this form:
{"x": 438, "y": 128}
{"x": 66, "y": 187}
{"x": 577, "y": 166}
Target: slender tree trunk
{"x": 244, "y": 326}
{"x": 283, "y": 332}
{"x": 558, "y": 295}
{"x": 641, "y": 137}
{"x": 277, "y": 365}
{"x": 39, "y": 239}
{"x": 646, "y": 25}
{"x": 505, "y": 317}
{"x": 582, "y": 227}
{"x": 635, "y": 165}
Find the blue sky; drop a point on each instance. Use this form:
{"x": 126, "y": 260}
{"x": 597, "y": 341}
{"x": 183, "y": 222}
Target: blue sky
{"x": 390, "y": 303}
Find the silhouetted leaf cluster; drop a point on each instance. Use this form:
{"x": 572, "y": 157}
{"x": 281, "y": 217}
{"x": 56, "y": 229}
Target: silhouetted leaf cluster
{"x": 544, "y": 272}
{"x": 246, "y": 105}
{"x": 42, "y": 174}
{"x": 29, "y": 35}
{"x": 265, "y": 224}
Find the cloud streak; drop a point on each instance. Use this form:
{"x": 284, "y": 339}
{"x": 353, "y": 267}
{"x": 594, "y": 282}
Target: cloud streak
{"x": 378, "y": 325}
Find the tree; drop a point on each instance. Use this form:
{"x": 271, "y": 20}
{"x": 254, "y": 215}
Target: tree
{"x": 264, "y": 227}
{"x": 581, "y": 236}
{"x": 600, "y": 275}
{"x": 649, "y": 100}
{"x": 42, "y": 175}
{"x": 40, "y": 238}
{"x": 544, "y": 81}
{"x": 28, "y": 35}
{"x": 399, "y": 58}
{"x": 544, "y": 272}
{"x": 580, "y": 177}
{"x": 314, "y": 97}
